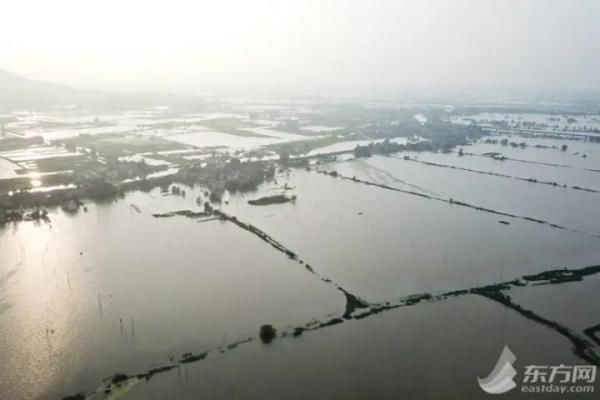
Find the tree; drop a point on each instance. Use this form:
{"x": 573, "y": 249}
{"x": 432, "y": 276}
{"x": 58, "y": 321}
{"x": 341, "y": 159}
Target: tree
{"x": 267, "y": 333}
{"x": 362, "y": 151}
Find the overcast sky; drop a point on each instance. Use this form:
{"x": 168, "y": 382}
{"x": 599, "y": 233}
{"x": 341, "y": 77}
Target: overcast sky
{"x": 198, "y": 45}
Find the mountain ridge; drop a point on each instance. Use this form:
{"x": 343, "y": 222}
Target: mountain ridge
{"x": 18, "y": 93}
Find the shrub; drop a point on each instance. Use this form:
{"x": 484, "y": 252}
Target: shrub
{"x": 267, "y": 333}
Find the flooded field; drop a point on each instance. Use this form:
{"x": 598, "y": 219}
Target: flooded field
{"x": 337, "y": 231}
{"x": 565, "y": 170}
{"x": 570, "y": 208}
{"x": 262, "y": 137}
{"x": 418, "y": 257}
{"x": 300, "y": 200}
{"x": 579, "y": 154}
{"x": 80, "y": 288}
{"x": 564, "y": 303}
{"x": 163, "y": 122}
{"x": 7, "y": 169}
{"x": 405, "y": 338}
{"x": 551, "y": 121}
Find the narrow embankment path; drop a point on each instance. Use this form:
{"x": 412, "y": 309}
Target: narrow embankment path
{"x": 520, "y": 160}
{"x": 499, "y": 175}
{"x": 582, "y": 348}
{"x": 353, "y": 301}
{"x": 459, "y": 203}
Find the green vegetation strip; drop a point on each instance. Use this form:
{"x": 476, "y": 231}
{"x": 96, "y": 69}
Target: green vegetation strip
{"x": 353, "y": 302}
{"x": 582, "y": 348}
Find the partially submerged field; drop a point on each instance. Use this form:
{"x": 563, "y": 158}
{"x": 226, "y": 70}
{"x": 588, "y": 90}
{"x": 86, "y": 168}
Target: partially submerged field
{"x": 374, "y": 267}
{"x": 102, "y": 292}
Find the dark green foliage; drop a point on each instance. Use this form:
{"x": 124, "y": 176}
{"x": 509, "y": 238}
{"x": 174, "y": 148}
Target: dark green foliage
{"x": 267, "y": 333}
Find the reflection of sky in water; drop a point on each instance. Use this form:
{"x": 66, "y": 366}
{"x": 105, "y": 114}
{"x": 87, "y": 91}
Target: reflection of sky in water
{"x": 552, "y": 120}
{"x": 571, "y": 157}
{"x": 194, "y": 293}
{"x": 35, "y": 180}
{"x": 208, "y": 138}
{"x": 411, "y": 244}
{"x": 387, "y": 356}
{"x": 36, "y": 153}
{"x": 7, "y": 169}
{"x": 64, "y": 287}
{"x": 32, "y": 124}
{"x": 564, "y": 206}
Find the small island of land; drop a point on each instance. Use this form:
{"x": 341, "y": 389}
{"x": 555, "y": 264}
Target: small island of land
{"x": 275, "y": 199}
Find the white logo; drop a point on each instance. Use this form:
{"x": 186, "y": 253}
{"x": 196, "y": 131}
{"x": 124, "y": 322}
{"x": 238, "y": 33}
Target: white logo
{"x": 500, "y": 380}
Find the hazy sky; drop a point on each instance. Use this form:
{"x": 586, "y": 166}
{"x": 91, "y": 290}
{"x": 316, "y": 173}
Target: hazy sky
{"x": 198, "y": 45}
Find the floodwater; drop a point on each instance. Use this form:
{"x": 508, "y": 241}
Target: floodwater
{"x": 575, "y": 304}
{"x": 429, "y": 351}
{"x": 571, "y": 176}
{"x": 549, "y": 122}
{"x": 572, "y": 157}
{"x": 381, "y": 244}
{"x": 288, "y": 137}
{"x": 11, "y": 161}
{"x": 208, "y": 138}
{"x": 36, "y": 153}
{"x": 320, "y": 128}
{"x": 564, "y": 206}
{"x": 56, "y": 126}
{"x": 7, "y": 169}
{"x": 113, "y": 291}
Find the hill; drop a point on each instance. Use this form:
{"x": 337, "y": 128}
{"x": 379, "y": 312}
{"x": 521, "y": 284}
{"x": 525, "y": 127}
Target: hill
{"x": 19, "y": 93}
